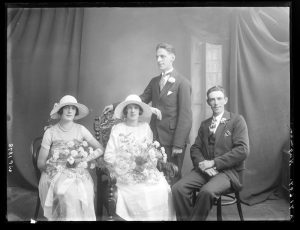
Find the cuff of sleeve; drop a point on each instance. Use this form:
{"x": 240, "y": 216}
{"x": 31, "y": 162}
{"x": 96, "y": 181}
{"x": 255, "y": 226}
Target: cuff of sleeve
{"x": 217, "y": 164}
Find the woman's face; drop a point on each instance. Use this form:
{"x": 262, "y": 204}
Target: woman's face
{"x": 69, "y": 112}
{"x": 133, "y": 111}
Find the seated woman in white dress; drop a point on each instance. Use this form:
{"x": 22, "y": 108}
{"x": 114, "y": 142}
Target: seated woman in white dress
{"x": 143, "y": 192}
{"x": 66, "y": 188}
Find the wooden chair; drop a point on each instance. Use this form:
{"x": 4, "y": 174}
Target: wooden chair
{"x": 227, "y": 198}
{"x": 35, "y": 149}
{"x": 106, "y": 184}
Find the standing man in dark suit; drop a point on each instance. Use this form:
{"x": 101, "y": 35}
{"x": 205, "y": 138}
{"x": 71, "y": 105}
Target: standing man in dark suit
{"x": 170, "y": 94}
{"x": 218, "y": 156}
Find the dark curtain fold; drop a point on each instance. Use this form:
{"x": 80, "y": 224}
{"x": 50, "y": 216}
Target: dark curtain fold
{"x": 259, "y": 89}
{"x": 43, "y": 62}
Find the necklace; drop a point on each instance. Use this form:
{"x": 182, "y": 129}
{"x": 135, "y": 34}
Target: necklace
{"x": 64, "y": 130}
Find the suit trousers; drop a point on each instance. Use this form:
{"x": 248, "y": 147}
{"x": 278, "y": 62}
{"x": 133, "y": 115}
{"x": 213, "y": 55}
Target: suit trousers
{"x": 210, "y": 189}
{"x": 177, "y": 160}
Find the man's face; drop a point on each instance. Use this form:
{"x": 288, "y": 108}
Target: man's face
{"x": 164, "y": 59}
{"x": 217, "y": 101}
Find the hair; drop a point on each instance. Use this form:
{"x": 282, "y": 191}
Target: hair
{"x": 125, "y": 110}
{"x": 216, "y": 88}
{"x": 167, "y": 47}
{"x": 60, "y": 111}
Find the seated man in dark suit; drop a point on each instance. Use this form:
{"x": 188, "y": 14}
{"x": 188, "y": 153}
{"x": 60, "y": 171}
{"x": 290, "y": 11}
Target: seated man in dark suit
{"x": 218, "y": 157}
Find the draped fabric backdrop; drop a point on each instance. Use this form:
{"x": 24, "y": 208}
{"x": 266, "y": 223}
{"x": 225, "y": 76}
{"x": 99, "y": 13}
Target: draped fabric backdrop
{"x": 259, "y": 89}
{"x": 43, "y": 65}
{"x": 102, "y": 55}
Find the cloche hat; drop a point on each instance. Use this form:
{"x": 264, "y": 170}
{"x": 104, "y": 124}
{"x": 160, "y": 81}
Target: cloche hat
{"x": 69, "y": 100}
{"x": 133, "y": 99}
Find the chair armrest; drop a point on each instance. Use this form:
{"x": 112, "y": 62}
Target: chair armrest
{"x": 169, "y": 169}
{"x": 110, "y": 181}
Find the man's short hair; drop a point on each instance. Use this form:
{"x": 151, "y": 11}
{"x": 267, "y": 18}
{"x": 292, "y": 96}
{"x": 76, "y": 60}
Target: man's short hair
{"x": 167, "y": 47}
{"x": 216, "y": 88}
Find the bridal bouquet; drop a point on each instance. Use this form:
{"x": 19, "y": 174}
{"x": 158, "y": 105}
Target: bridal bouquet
{"x": 136, "y": 161}
{"x": 72, "y": 154}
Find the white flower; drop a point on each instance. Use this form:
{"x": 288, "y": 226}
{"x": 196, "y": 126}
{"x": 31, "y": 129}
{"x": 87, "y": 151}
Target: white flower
{"x": 91, "y": 151}
{"x": 165, "y": 158}
{"x": 66, "y": 151}
{"x": 71, "y": 160}
{"x": 74, "y": 153}
{"x": 223, "y": 120}
{"x": 156, "y": 144}
{"x": 152, "y": 153}
{"x": 163, "y": 150}
{"x": 171, "y": 79}
{"x": 80, "y": 149}
{"x": 84, "y": 143}
{"x": 82, "y": 164}
{"x": 70, "y": 144}
{"x": 122, "y": 168}
{"x": 93, "y": 165}
{"x": 84, "y": 154}
{"x": 55, "y": 155}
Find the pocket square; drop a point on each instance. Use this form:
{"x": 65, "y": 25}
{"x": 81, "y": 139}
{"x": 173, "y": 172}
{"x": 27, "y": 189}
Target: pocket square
{"x": 169, "y": 92}
{"x": 227, "y": 133}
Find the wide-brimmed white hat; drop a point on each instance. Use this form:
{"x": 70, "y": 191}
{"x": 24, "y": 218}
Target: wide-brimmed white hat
{"x": 69, "y": 100}
{"x": 133, "y": 99}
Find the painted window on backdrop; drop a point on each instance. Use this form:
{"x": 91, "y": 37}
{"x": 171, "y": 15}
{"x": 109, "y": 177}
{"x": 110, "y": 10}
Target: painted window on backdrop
{"x": 206, "y": 71}
{"x": 213, "y": 69}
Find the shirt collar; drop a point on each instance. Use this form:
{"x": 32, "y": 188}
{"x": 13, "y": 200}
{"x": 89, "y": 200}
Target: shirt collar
{"x": 218, "y": 118}
{"x": 167, "y": 72}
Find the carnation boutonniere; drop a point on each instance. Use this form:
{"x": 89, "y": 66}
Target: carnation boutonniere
{"x": 171, "y": 79}
{"x": 223, "y": 120}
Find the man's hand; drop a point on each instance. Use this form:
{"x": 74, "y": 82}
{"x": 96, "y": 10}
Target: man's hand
{"x": 203, "y": 165}
{"x": 156, "y": 112}
{"x": 176, "y": 151}
{"x": 211, "y": 171}
{"x": 108, "y": 108}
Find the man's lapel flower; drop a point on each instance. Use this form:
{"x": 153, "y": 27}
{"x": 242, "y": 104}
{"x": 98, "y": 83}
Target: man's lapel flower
{"x": 223, "y": 120}
{"x": 171, "y": 79}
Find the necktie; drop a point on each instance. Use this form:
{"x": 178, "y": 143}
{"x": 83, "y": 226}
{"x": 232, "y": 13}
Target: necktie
{"x": 213, "y": 125}
{"x": 163, "y": 81}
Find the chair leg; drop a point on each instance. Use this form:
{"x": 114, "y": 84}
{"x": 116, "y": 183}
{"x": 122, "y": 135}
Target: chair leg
{"x": 37, "y": 207}
{"x": 99, "y": 197}
{"x": 239, "y": 206}
{"x": 219, "y": 209}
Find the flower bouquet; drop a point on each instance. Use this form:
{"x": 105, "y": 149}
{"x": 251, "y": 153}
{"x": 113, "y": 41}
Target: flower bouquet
{"x": 136, "y": 161}
{"x": 72, "y": 154}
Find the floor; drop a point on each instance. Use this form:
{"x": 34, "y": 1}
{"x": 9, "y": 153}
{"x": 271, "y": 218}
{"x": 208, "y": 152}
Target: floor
{"x": 21, "y": 206}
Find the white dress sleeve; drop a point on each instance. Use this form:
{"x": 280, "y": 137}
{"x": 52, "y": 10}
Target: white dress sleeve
{"x": 47, "y": 139}
{"x": 112, "y": 145}
{"x": 149, "y": 132}
{"x": 86, "y": 133}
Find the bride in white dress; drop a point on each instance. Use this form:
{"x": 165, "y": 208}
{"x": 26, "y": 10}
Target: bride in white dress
{"x": 143, "y": 192}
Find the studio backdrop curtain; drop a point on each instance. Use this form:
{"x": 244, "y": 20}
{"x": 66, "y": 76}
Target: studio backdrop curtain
{"x": 259, "y": 89}
{"x": 43, "y": 62}
{"x": 256, "y": 75}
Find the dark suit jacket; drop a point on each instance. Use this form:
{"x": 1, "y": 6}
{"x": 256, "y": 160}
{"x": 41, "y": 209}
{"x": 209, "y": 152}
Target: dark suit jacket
{"x": 174, "y": 102}
{"x": 230, "y": 150}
